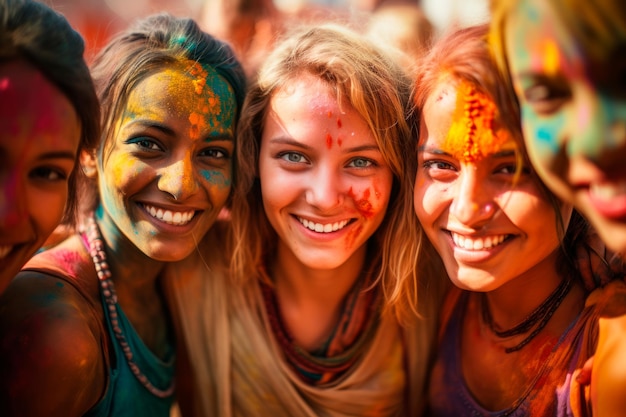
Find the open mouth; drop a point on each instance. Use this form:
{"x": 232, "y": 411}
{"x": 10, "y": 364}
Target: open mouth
{"x": 477, "y": 243}
{"x": 323, "y": 228}
{"x": 177, "y": 218}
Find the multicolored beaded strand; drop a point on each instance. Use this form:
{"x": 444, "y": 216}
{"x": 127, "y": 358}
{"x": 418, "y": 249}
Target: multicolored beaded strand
{"x": 98, "y": 255}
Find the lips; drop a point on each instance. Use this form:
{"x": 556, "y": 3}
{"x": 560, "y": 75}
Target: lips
{"x": 323, "y": 227}
{"x": 477, "y": 243}
{"x": 609, "y": 198}
{"x": 177, "y": 218}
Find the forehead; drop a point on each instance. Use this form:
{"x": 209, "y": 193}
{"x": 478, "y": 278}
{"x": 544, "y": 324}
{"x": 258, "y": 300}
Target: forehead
{"x": 463, "y": 122}
{"x": 184, "y": 88}
{"x": 33, "y": 109}
{"x": 537, "y": 38}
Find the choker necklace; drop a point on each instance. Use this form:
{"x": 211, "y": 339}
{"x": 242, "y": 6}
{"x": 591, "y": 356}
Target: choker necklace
{"x": 98, "y": 255}
{"x": 536, "y": 320}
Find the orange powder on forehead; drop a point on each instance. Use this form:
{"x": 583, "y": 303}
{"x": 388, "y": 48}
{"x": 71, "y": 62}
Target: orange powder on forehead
{"x": 201, "y": 76}
{"x": 473, "y": 134}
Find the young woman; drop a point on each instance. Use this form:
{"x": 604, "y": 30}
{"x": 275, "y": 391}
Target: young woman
{"x": 84, "y": 327}
{"x": 48, "y": 112}
{"x": 570, "y": 85}
{"x": 520, "y": 323}
{"x": 300, "y": 324}
{"x": 566, "y": 61}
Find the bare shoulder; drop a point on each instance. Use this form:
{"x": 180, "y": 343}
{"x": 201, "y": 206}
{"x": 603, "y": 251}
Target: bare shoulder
{"x": 51, "y": 360}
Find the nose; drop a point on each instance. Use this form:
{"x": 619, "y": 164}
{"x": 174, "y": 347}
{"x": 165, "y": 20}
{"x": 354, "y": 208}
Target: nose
{"x": 178, "y": 178}
{"x": 324, "y": 190}
{"x": 472, "y": 203}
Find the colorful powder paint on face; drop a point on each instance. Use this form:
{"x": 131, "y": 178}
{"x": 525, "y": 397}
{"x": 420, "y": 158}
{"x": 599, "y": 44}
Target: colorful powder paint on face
{"x": 329, "y": 141}
{"x": 217, "y": 178}
{"x": 208, "y": 88}
{"x": 363, "y": 204}
{"x": 473, "y": 134}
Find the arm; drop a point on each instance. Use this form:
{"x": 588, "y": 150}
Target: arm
{"x": 51, "y": 361}
{"x": 608, "y": 375}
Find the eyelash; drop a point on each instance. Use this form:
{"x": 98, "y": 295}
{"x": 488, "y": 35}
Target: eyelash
{"x": 48, "y": 174}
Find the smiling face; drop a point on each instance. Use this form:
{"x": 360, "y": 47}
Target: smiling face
{"x": 166, "y": 173}
{"x": 39, "y": 138}
{"x": 324, "y": 181}
{"x": 574, "y": 115}
{"x": 489, "y": 226}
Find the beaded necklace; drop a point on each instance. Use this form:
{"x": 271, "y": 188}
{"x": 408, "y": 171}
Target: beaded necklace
{"x": 537, "y": 319}
{"x": 98, "y": 255}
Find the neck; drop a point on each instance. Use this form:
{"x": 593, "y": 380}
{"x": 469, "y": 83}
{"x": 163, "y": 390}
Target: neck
{"x": 309, "y": 300}
{"x": 133, "y": 273}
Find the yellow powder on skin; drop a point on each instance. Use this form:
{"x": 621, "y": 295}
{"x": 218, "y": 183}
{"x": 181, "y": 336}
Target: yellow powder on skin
{"x": 473, "y": 133}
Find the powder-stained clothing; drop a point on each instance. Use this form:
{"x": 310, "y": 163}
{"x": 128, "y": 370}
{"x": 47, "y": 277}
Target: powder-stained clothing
{"x": 240, "y": 366}
{"x": 553, "y": 392}
{"x": 125, "y": 396}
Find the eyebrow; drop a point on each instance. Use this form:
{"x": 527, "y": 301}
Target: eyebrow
{"x": 170, "y": 132}
{"x": 58, "y": 155}
{"x": 282, "y": 140}
{"x": 507, "y": 153}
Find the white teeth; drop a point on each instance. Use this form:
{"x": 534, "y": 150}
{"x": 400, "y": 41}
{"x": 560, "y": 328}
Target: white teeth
{"x": 607, "y": 191}
{"x": 323, "y": 228}
{"x": 178, "y": 218}
{"x": 4, "y": 250}
{"x": 477, "y": 243}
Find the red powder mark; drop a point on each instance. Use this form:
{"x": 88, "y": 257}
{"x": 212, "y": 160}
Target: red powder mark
{"x": 339, "y": 142}
{"x": 339, "y": 124}
{"x": 363, "y": 205}
{"x": 329, "y": 141}
{"x": 330, "y": 114}
{"x": 351, "y": 237}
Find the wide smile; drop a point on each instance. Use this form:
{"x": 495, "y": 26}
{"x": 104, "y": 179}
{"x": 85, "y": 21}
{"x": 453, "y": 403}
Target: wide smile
{"x": 323, "y": 227}
{"x": 477, "y": 243}
{"x": 176, "y": 218}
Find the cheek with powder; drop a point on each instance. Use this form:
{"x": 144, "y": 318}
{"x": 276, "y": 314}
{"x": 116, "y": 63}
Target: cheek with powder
{"x": 216, "y": 178}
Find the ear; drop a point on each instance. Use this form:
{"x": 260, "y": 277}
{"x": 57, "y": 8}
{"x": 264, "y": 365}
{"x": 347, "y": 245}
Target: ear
{"x": 89, "y": 164}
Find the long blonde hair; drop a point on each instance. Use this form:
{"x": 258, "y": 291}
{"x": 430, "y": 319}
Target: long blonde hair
{"x": 363, "y": 77}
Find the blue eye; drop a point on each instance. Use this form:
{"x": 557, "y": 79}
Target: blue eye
{"x": 361, "y": 163}
{"x": 294, "y": 157}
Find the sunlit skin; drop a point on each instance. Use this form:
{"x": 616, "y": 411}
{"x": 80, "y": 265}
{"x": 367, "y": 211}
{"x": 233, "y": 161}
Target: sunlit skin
{"x": 165, "y": 175}
{"x": 490, "y": 228}
{"x": 325, "y": 188}
{"x": 496, "y": 233}
{"x": 39, "y": 137}
{"x": 574, "y": 116}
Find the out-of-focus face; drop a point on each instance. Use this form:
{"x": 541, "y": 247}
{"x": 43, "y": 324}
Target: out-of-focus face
{"x": 488, "y": 226}
{"x": 39, "y": 138}
{"x": 324, "y": 181}
{"x": 574, "y": 115}
{"x": 166, "y": 173}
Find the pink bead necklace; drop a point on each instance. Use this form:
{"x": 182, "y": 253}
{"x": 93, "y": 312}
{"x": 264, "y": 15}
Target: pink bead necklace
{"x": 98, "y": 255}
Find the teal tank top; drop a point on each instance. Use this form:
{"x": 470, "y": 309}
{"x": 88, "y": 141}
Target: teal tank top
{"x": 125, "y": 396}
